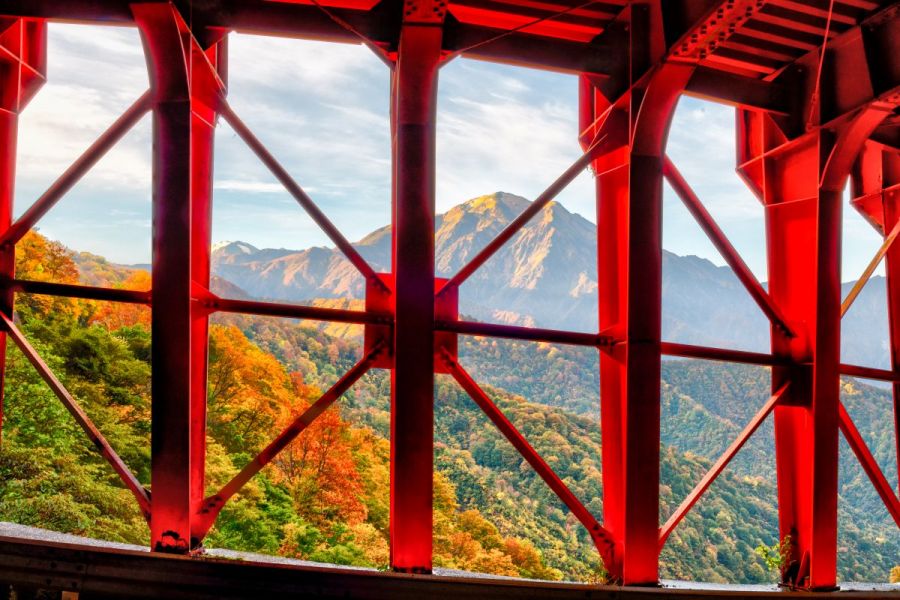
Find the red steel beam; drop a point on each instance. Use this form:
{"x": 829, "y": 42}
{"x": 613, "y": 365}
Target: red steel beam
{"x": 413, "y": 118}
{"x": 205, "y": 95}
{"x": 103, "y": 294}
{"x": 23, "y": 75}
{"x": 722, "y": 354}
{"x": 804, "y": 267}
{"x": 601, "y": 537}
{"x": 532, "y": 334}
{"x": 213, "y": 504}
{"x": 296, "y": 311}
{"x": 720, "y": 241}
{"x": 547, "y": 196}
{"x": 97, "y": 439}
{"x": 801, "y": 182}
{"x": 869, "y": 464}
{"x": 76, "y": 171}
{"x": 869, "y": 373}
{"x": 719, "y": 466}
{"x": 294, "y": 189}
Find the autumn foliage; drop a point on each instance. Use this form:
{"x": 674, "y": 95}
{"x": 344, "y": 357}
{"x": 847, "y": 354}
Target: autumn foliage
{"x": 324, "y": 498}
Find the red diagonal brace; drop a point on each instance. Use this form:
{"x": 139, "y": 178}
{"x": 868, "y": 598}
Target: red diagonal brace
{"x": 870, "y": 268}
{"x": 294, "y": 189}
{"x": 869, "y": 464}
{"x": 67, "y": 290}
{"x": 534, "y": 208}
{"x": 213, "y": 504}
{"x": 296, "y": 311}
{"x": 127, "y": 477}
{"x": 534, "y": 334}
{"x": 721, "y": 354}
{"x": 602, "y": 539}
{"x": 719, "y": 466}
{"x": 728, "y": 252}
{"x": 76, "y": 171}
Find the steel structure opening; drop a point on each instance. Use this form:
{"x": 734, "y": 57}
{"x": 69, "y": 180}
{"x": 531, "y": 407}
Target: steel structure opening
{"x": 817, "y": 88}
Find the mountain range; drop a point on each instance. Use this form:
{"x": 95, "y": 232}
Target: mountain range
{"x": 551, "y": 392}
{"x": 545, "y": 276}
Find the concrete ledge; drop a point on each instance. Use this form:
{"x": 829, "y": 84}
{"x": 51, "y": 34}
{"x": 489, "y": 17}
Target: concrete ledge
{"x": 99, "y": 572}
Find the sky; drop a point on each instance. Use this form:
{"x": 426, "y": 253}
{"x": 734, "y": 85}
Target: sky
{"x": 322, "y": 109}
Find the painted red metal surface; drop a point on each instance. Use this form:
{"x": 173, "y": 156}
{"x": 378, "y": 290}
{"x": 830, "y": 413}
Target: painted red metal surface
{"x": 23, "y": 68}
{"x": 801, "y": 128}
{"x": 534, "y": 334}
{"x": 295, "y": 311}
{"x": 185, "y": 101}
{"x": 869, "y": 464}
{"x": 876, "y": 194}
{"x": 413, "y": 129}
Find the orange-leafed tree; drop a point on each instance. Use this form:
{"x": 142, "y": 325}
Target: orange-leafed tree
{"x": 320, "y": 466}
{"x": 40, "y": 259}
{"x": 249, "y": 392}
{"x": 252, "y": 398}
{"x": 116, "y": 315}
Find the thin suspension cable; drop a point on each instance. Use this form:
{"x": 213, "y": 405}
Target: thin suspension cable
{"x": 815, "y": 95}
{"x": 366, "y": 40}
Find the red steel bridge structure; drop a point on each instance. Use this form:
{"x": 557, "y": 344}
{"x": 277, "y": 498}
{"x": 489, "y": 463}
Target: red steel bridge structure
{"x": 816, "y": 84}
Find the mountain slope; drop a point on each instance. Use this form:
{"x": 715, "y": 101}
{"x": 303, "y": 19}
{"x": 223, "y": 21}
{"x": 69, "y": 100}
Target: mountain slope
{"x": 264, "y": 369}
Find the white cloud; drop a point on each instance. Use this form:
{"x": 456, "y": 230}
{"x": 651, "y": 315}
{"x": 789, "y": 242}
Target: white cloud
{"x": 253, "y": 187}
{"x": 323, "y": 110}
{"x": 496, "y": 135}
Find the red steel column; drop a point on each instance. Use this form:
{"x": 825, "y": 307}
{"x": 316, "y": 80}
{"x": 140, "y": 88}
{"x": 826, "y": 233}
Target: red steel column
{"x": 414, "y": 100}
{"x": 803, "y": 229}
{"x": 629, "y": 240}
{"x": 800, "y": 182}
{"x": 185, "y": 90}
{"x": 891, "y": 200}
{"x": 23, "y": 47}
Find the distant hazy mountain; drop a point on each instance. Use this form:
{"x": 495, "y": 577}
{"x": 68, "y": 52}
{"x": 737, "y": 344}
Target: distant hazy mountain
{"x": 545, "y": 276}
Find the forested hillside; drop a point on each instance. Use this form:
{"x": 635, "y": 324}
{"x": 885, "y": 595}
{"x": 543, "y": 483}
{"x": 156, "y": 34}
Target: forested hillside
{"x": 326, "y": 497}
